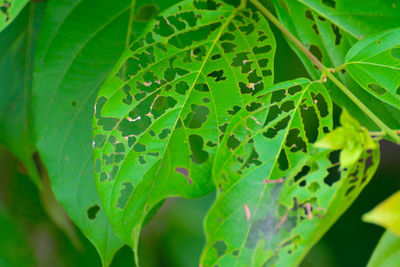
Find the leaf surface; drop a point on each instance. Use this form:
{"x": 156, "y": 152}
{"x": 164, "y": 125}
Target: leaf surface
{"x": 161, "y": 111}
{"x": 17, "y": 46}
{"x": 79, "y": 44}
{"x": 387, "y": 252}
{"x": 374, "y": 63}
{"x": 329, "y": 29}
{"x": 9, "y": 10}
{"x": 278, "y": 194}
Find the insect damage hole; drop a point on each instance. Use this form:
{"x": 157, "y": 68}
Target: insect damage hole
{"x": 92, "y": 212}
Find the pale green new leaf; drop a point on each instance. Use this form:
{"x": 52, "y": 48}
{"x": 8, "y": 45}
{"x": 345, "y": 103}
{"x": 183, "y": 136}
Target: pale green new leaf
{"x": 386, "y": 214}
{"x": 329, "y": 29}
{"x": 80, "y": 42}
{"x": 278, "y": 194}
{"x": 374, "y": 63}
{"x": 160, "y": 113}
{"x": 351, "y": 138}
{"x": 9, "y": 9}
{"x": 387, "y": 252}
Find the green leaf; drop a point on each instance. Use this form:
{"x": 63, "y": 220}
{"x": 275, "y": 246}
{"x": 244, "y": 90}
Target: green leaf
{"x": 278, "y": 194}
{"x": 9, "y": 9}
{"x": 79, "y": 44}
{"x": 387, "y": 252}
{"x": 17, "y": 45}
{"x": 351, "y": 138}
{"x": 329, "y": 29}
{"x": 161, "y": 111}
{"x": 386, "y": 214}
{"x": 374, "y": 63}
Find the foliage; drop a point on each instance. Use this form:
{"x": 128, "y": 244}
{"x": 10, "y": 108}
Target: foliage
{"x": 124, "y": 104}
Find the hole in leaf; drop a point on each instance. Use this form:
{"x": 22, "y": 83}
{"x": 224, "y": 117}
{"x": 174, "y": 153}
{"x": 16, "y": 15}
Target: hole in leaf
{"x": 92, "y": 212}
{"x": 146, "y": 12}
{"x": 232, "y": 142}
{"x": 329, "y": 3}
{"x": 310, "y": 121}
{"x": 221, "y": 247}
{"x": 321, "y": 104}
{"x": 196, "y": 117}
{"x": 338, "y": 36}
{"x": 395, "y": 52}
{"x": 379, "y": 90}
{"x": 125, "y": 194}
{"x": 198, "y": 156}
{"x": 316, "y": 52}
{"x": 184, "y": 172}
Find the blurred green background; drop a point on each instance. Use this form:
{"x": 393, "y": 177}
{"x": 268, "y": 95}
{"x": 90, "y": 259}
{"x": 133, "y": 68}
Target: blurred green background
{"x": 174, "y": 237}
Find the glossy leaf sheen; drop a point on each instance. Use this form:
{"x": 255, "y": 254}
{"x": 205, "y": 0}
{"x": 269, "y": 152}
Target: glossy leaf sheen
{"x": 277, "y": 193}
{"x": 374, "y": 63}
{"x": 79, "y": 44}
{"x": 159, "y": 115}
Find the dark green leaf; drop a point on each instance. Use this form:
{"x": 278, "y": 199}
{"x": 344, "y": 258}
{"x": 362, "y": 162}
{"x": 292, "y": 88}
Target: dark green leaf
{"x": 160, "y": 113}
{"x": 79, "y": 44}
{"x": 17, "y": 45}
{"x": 278, "y": 194}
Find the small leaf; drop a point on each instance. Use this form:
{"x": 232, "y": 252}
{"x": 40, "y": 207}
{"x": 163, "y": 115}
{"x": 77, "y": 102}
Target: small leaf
{"x": 9, "y": 9}
{"x": 386, "y": 214}
{"x": 351, "y": 138}
{"x": 387, "y": 252}
{"x": 277, "y": 193}
{"x": 374, "y": 63}
{"x": 167, "y": 102}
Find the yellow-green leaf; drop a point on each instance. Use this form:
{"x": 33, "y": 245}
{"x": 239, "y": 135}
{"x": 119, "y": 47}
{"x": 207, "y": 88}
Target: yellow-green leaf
{"x": 386, "y": 214}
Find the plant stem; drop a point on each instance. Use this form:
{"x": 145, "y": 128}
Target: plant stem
{"x": 326, "y": 71}
{"x": 288, "y": 34}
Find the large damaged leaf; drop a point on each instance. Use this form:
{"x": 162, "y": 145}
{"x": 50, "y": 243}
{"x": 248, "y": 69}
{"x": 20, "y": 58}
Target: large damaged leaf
{"x": 160, "y": 113}
{"x": 278, "y": 193}
{"x": 329, "y": 29}
{"x": 79, "y": 44}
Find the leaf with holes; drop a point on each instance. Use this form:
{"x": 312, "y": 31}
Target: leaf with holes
{"x": 160, "y": 113}
{"x": 329, "y": 29}
{"x": 277, "y": 193}
{"x": 374, "y": 63}
{"x": 70, "y": 66}
{"x": 9, "y": 9}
